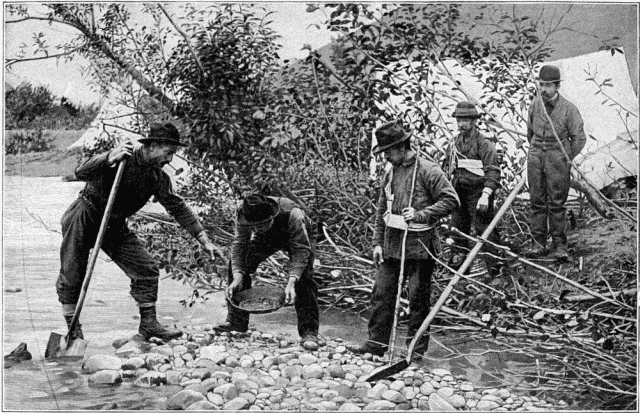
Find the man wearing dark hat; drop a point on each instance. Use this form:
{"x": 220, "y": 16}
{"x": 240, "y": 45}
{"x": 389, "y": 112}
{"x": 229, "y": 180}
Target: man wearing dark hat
{"x": 266, "y": 225}
{"x": 433, "y": 198}
{"x": 548, "y": 169}
{"x": 476, "y": 177}
{"x": 142, "y": 178}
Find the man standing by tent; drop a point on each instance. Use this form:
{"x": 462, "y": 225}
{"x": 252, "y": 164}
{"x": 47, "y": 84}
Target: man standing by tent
{"x": 548, "y": 169}
{"x": 476, "y": 177}
{"x": 266, "y": 225}
{"x": 433, "y": 198}
{"x": 142, "y": 178}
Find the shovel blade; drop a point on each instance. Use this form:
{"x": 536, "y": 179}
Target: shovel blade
{"x": 59, "y": 347}
{"x": 383, "y": 372}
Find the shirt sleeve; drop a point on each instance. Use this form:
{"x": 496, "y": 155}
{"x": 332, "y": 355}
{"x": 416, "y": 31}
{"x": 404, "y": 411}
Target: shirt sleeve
{"x": 299, "y": 244}
{"x": 378, "y": 230}
{"x": 176, "y": 206}
{"x": 575, "y": 127}
{"x": 434, "y": 182}
{"x": 92, "y": 168}
{"x": 241, "y": 238}
{"x": 490, "y": 165}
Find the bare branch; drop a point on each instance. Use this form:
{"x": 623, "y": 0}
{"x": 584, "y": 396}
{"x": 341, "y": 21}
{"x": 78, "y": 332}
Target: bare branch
{"x": 186, "y": 40}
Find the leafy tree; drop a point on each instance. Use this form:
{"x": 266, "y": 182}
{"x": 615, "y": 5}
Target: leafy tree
{"x": 26, "y": 102}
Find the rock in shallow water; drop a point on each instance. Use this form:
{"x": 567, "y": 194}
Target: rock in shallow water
{"x": 184, "y": 399}
{"x": 99, "y": 362}
{"x": 105, "y": 377}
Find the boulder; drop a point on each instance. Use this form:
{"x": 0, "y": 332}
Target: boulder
{"x": 151, "y": 379}
{"x": 238, "y": 403}
{"x": 99, "y": 362}
{"x": 202, "y": 405}
{"x": 184, "y": 399}
{"x": 105, "y": 377}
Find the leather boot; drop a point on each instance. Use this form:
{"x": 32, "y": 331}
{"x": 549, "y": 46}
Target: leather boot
{"x": 150, "y": 327}
{"x": 77, "y": 331}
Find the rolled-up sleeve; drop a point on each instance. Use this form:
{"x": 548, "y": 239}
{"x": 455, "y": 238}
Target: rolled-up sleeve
{"x": 299, "y": 244}
{"x": 176, "y": 206}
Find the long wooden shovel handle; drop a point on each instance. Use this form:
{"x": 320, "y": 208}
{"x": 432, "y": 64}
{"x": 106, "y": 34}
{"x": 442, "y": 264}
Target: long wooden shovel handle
{"x": 96, "y": 248}
{"x": 394, "y": 326}
{"x": 465, "y": 265}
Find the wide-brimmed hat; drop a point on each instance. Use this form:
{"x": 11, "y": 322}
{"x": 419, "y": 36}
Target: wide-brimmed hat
{"x": 163, "y": 133}
{"x": 465, "y": 110}
{"x": 257, "y": 209}
{"x": 549, "y": 74}
{"x": 388, "y": 135}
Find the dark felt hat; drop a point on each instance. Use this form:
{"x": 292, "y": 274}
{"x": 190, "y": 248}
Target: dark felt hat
{"x": 388, "y": 135}
{"x": 163, "y": 133}
{"x": 549, "y": 74}
{"x": 257, "y": 209}
{"x": 465, "y": 110}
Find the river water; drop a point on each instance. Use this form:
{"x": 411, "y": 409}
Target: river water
{"x": 32, "y": 208}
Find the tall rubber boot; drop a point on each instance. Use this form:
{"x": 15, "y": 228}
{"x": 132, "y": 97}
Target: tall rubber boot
{"x": 67, "y": 311}
{"x": 150, "y": 327}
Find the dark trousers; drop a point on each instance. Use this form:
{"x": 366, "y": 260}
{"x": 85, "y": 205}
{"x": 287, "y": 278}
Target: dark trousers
{"x": 383, "y": 301}
{"x": 306, "y": 289}
{"x": 549, "y": 176}
{"x": 80, "y": 225}
{"x": 467, "y": 216}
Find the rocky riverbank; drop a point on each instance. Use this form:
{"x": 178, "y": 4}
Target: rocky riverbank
{"x": 263, "y": 371}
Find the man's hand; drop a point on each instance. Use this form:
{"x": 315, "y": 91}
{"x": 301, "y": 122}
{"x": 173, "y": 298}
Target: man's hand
{"x": 124, "y": 150}
{"x": 235, "y": 284}
{"x": 290, "y": 291}
{"x": 377, "y": 256}
{"x": 483, "y": 202}
{"x": 409, "y": 213}
{"x": 213, "y": 251}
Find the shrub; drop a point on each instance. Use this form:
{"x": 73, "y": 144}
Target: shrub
{"x": 27, "y": 141}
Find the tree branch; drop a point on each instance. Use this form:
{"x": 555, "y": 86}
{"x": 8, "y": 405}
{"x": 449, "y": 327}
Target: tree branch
{"x": 186, "y": 40}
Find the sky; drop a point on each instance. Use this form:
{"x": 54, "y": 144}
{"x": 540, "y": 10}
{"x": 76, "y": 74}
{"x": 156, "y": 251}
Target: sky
{"x": 290, "y": 20}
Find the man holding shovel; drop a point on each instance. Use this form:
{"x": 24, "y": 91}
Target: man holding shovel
{"x": 549, "y": 172}
{"x": 266, "y": 225}
{"x": 414, "y": 195}
{"x": 476, "y": 177}
{"x": 142, "y": 177}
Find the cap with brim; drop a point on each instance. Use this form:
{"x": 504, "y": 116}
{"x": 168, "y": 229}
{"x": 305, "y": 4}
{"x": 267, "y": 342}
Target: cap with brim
{"x": 465, "y": 110}
{"x": 163, "y": 133}
{"x": 257, "y": 210}
{"x": 549, "y": 74}
{"x": 388, "y": 135}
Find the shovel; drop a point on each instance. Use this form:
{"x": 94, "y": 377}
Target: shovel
{"x": 386, "y": 371}
{"x": 63, "y": 345}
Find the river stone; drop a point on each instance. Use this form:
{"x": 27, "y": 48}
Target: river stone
{"x": 184, "y": 399}
{"x": 228, "y": 391}
{"x": 152, "y": 359}
{"x": 438, "y": 404}
{"x": 248, "y": 396}
{"x": 202, "y": 405}
{"x": 246, "y": 361}
{"x": 238, "y": 376}
{"x": 471, "y": 403}
{"x": 173, "y": 377}
{"x": 440, "y": 372}
{"x": 336, "y": 372}
{"x": 99, "y": 362}
{"x": 269, "y": 361}
{"x": 215, "y": 399}
{"x": 492, "y": 398}
{"x": 487, "y": 405}
{"x": 133, "y": 363}
{"x": 179, "y": 349}
{"x": 312, "y": 371}
{"x": 105, "y": 377}
{"x": 427, "y": 389}
{"x": 187, "y": 357}
{"x": 380, "y": 405}
{"x": 266, "y": 381}
{"x": 465, "y": 387}
{"x": 397, "y": 385}
{"x": 150, "y": 379}
{"x": 445, "y": 392}
{"x": 375, "y": 393}
{"x": 129, "y": 349}
{"x": 307, "y": 358}
{"x": 457, "y": 401}
{"x": 327, "y": 405}
{"x": 503, "y": 394}
{"x": 213, "y": 353}
{"x": 232, "y": 361}
{"x": 291, "y": 371}
{"x": 393, "y": 396}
